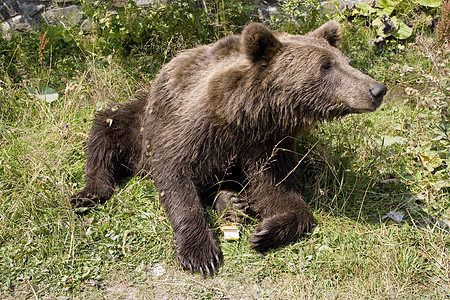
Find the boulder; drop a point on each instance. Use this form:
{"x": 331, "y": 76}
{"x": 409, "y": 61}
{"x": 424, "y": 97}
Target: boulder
{"x": 20, "y": 23}
{"x": 9, "y": 9}
{"x": 70, "y": 15}
{"x": 6, "y": 31}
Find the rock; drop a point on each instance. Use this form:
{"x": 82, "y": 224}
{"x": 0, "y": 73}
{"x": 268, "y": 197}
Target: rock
{"x": 87, "y": 26}
{"x": 150, "y": 2}
{"x": 143, "y": 2}
{"x": 140, "y": 3}
{"x": 9, "y": 9}
{"x": 394, "y": 215}
{"x": 32, "y": 10}
{"x": 63, "y": 2}
{"x": 119, "y": 3}
{"x": 350, "y": 4}
{"x": 22, "y": 15}
{"x": 70, "y": 15}
{"x": 20, "y": 23}
{"x": 6, "y": 31}
{"x": 267, "y": 9}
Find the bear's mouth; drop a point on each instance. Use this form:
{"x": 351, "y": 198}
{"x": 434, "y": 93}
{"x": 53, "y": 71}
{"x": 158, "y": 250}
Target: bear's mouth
{"x": 373, "y": 104}
{"x": 368, "y": 109}
{"x": 373, "y": 107}
{"x": 363, "y": 110}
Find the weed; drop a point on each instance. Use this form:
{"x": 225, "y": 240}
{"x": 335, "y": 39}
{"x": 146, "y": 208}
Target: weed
{"x": 443, "y": 28}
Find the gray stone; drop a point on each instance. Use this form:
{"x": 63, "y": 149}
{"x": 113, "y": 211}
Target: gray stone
{"x": 87, "y": 26}
{"x": 143, "y": 2}
{"x": 32, "y": 10}
{"x": 267, "y": 9}
{"x": 119, "y": 3}
{"x": 20, "y": 23}
{"x": 46, "y": 2}
{"x": 6, "y": 31}
{"x": 9, "y": 9}
{"x": 140, "y": 3}
{"x": 21, "y": 15}
{"x": 149, "y": 2}
{"x": 70, "y": 15}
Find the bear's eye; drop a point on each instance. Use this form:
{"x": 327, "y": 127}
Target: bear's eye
{"x": 326, "y": 66}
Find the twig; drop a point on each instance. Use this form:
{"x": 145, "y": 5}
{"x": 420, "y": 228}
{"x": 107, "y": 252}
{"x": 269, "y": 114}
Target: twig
{"x": 362, "y": 202}
{"x": 31, "y": 286}
{"x": 298, "y": 164}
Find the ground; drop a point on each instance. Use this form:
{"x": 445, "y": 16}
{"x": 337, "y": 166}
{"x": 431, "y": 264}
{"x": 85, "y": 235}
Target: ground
{"x": 394, "y": 160}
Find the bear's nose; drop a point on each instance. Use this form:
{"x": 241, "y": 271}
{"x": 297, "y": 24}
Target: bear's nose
{"x": 377, "y": 92}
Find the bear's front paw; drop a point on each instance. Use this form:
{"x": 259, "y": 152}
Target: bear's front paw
{"x": 199, "y": 254}
{"x": 279, "y": 230}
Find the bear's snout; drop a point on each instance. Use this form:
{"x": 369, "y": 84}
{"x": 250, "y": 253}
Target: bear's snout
{"x": 377, "y": 93}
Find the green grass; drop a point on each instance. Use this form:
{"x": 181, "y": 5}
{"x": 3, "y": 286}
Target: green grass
{"x": 124, "y": 249}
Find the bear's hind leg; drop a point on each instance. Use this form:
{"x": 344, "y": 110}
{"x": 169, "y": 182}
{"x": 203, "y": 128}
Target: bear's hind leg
{"x": 100, "y": 181}
{"x": 231, "y": 205}
{"x": 113, "y": 150}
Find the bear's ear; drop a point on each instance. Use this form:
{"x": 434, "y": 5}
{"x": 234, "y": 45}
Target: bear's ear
{"x": 259, "y": 43}
{"x": 330, "y": 31}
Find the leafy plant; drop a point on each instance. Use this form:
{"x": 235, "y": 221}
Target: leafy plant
{"x": 156, "y": 26}
{"x": 385, "y": 16}
{"x": 297, "y": 16}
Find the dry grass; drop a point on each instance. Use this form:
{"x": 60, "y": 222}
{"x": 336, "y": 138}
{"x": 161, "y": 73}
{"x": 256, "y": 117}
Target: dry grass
{"x": 124, "y": 249}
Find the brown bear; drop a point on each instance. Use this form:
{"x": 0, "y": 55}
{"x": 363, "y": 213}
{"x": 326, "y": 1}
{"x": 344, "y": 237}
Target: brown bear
{"x": 226, "y": 114}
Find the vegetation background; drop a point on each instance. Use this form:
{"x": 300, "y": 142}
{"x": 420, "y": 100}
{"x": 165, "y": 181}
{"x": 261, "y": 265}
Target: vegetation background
{"x": 378, "y": 184}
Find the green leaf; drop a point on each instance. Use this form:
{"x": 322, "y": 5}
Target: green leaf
{"x": 364, "y": 9}
{"x": 396, "y": 22}
{"x": 429, "y": 3}
{"x": 378, "y": 23}
{"x": 44, "y": 92}
{"x": 430, "y": 161}
{"x": 66, "y": 36}
{"x": 403, "y": 32}
{"x": 380, "y": 32}
{"x": 389, "y": 140}
{"x": 388, "y": 6}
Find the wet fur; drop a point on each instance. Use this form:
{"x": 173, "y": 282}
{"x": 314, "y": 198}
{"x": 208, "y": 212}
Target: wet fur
{"x": 228, "y": 111}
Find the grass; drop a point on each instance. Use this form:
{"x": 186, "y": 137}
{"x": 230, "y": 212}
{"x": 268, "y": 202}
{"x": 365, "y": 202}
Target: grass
{"x": 361, "y": 168}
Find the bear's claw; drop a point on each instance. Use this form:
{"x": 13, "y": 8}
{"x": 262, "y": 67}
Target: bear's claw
{"x": 200, "y": 257}
{"x": 209, "y": 273}
{"x": 261, "y": 233}
{"x": 279, "y": 230}
{"x": 259, "y": 241}
{"x": 86, "y": 199}
{"x": 77, "y": 201}
{"x": 207, "y": 269}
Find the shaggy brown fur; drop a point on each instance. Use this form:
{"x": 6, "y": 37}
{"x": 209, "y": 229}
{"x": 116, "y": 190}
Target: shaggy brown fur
{"x": 228, "y": 111}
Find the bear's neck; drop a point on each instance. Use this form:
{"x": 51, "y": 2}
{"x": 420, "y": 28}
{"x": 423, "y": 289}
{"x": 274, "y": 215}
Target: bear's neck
{"x": 247, "y": 101}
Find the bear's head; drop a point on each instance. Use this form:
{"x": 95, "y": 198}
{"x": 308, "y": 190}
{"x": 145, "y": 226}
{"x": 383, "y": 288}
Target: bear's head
{"x": 307, "y": 76}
